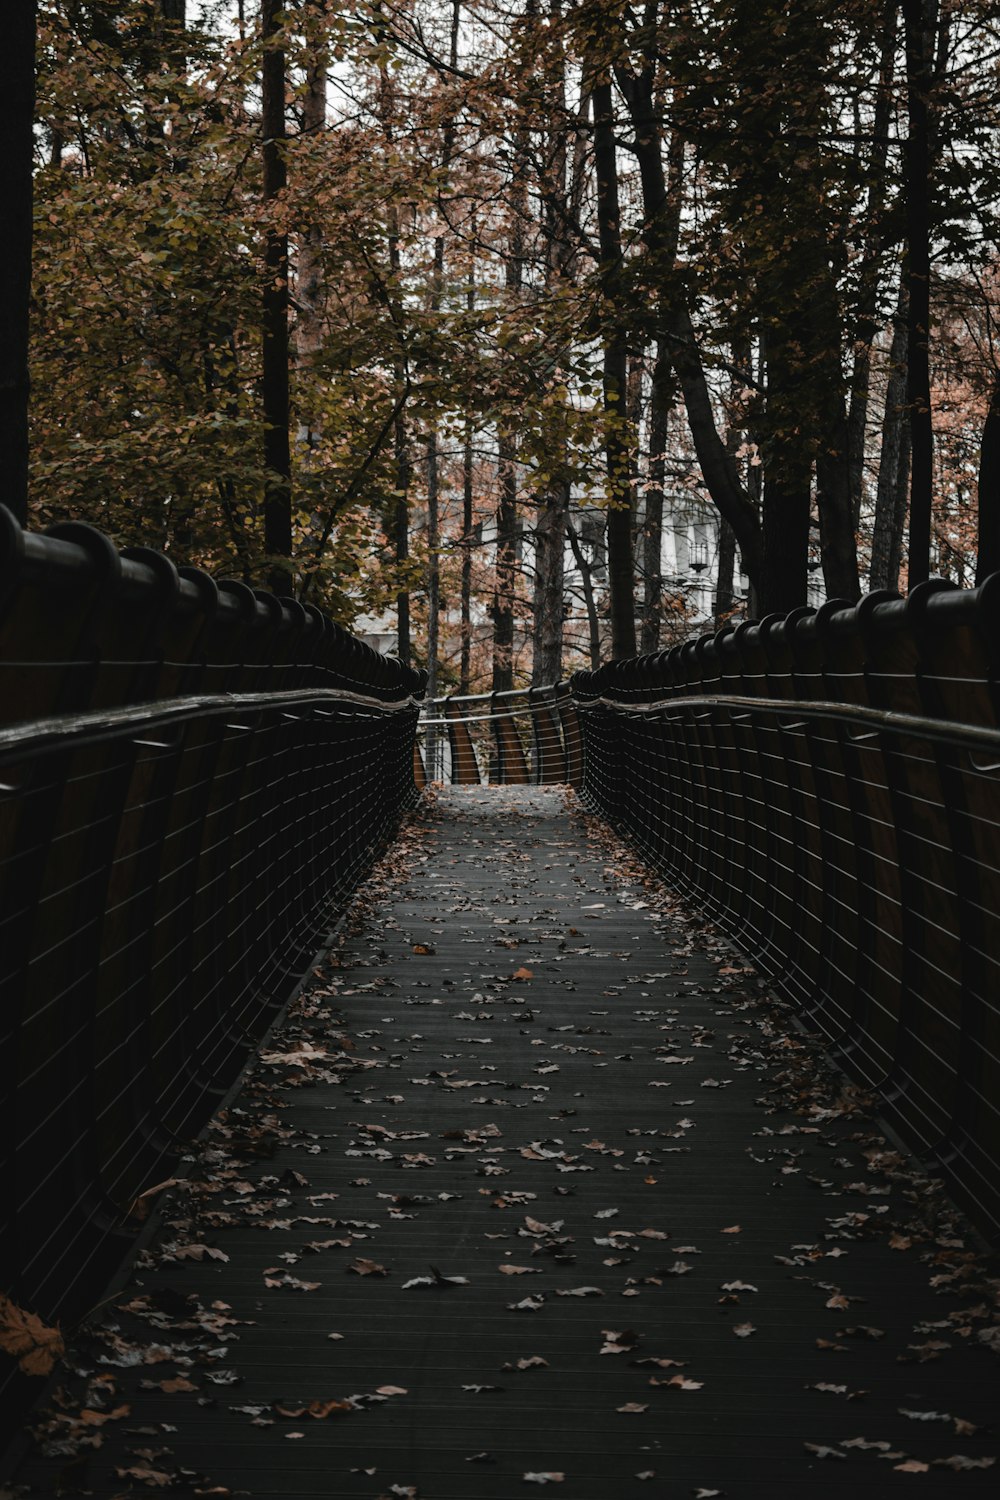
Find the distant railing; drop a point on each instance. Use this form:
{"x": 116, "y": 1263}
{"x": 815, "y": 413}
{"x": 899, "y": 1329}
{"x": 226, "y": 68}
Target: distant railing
{"x": 193, "y": 776}
{"x": 827, "y": 785}
{"x": 517, "y": 738}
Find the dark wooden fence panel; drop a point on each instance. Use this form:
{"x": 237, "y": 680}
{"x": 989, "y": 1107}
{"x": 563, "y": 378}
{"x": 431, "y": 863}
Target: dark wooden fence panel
{"x": 828, "y": 785}
{"x": 193, "y": 777}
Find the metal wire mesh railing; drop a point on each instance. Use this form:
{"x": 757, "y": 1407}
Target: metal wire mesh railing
{"x": 192, "y": 778}
{"x": 525, "y": 736}
{"x": 828, "y": 787}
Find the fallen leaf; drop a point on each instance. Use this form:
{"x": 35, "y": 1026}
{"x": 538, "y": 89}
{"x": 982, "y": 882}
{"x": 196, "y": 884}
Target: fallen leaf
{"x": 549, "y": 1477}
{"x": 509, "y": 1270}
{"x": 391, "y": 1390}
{"x": 155, "y": 1478}
{"x": 34, "y": 1345}
{"x": 92, "y": 1418}
{"x": 912, "y": 1466}
{"x": 364, "y": 1267}
{"x": 959, "y": 1461}
{"x": 744, "y": 1330}
{"x": 522, "y": 974}
{"x": 435, "y": 1279}
{"x": 633, "y": 1406}
{"x": 195, "y": 1252}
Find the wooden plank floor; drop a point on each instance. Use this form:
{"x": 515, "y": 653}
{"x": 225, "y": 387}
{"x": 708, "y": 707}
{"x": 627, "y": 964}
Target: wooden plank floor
{"x": 684, "y": 1264}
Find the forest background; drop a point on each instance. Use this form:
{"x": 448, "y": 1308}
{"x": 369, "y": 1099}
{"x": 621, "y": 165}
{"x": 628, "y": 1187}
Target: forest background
{"x": 441, "y": 313}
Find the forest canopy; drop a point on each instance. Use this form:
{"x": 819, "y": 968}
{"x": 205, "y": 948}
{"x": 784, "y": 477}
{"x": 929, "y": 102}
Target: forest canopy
{"x": 520, "y": 335}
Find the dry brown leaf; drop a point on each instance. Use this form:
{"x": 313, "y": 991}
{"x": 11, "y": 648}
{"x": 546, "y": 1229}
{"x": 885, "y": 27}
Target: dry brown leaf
{"x": 34, "y": 1345}
{"x": 912, "y": 1466}
{"x": 155, "y": 1478}
{"x": 195, "y": 1252}
{"x": 391, "y": 1390}
{"x": 172, "y": 1386}
{"x": 364, "y": 1267}
{"x": 321, "y": 1409}
{"x": 508, "y": 1270}
{"x": 522, "y": 973}
{"x": 91, "y": 1418}
{"x": 633, "y": 1406}
{"x": 543, "y": 1477}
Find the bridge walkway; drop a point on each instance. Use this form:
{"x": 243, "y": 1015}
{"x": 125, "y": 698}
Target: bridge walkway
{"x": 535, "y": 1187}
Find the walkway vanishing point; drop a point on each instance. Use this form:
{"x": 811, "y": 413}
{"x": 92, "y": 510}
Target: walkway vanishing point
{"x": 535, "y": 1186}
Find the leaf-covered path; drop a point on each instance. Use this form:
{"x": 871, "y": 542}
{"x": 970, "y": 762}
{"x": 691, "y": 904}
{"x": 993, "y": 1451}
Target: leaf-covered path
{"x": 536, "y": 1188}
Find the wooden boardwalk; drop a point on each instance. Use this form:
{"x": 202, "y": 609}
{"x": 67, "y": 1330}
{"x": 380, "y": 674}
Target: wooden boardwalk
{"x": 534, "y": 1189}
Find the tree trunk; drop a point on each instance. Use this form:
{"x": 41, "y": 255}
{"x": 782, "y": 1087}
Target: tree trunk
{"x": 615, "y": 381}
{"x": 17, "y": 78}
{"x": 274, "y": 374}
{"x": 661, "y": 213}
{"x": 784, "y": 572}
{"x": 550, "y": 549}
{"x": 724, "y": 600}
{"x": 835, "y": 503}
{"x": 465, "y": 659}
{"x": 506, "y": 566}
{"x": 433, "y": 472}
{"x": 401, "y": 537}
{"x": 867, "y": 310}
{"x": 587, "y": 579}
{"x": 718, "y": 468}
{"x": 988, "y": 554}
{"x": 919, "y": 17}
{"x": 309, "y": 323}
{"x": 506, "y": 515}
{"x": 652, "y": 521}
{"x": 893, "y": 460}
{"x": 433, "y": 590}
{"x": 787, "y": 497}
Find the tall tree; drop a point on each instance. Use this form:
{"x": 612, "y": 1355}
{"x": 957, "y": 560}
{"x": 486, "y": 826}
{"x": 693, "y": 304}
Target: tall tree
{"x": 920, "y": 26}
{"x": 988, "y": 550}
{"x": 621, "y": 571}
{"x": 276, "y": 350}
{"x": 17, "y": 83}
